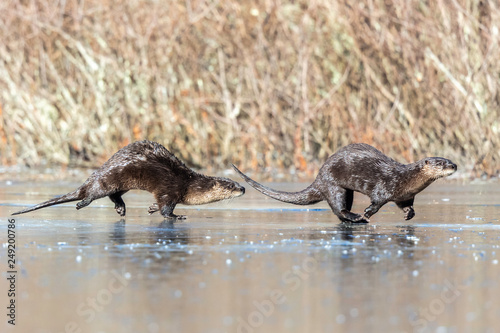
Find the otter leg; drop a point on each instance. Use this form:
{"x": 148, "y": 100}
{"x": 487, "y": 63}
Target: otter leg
{"x": 340, "y": 201}
{"x": 372, "y": 209}
{"x": 118, "y": 201}
{"x": 84, "y": 203}
{"x": 166, "y": 206}
{"x": 349, "y": 197}
{"x": 407, "y": 207}
{"x": 168, "y": 212}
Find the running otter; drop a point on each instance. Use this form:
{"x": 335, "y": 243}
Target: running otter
{"x": 148, "y": 166}
{"x": 362, "y": 168}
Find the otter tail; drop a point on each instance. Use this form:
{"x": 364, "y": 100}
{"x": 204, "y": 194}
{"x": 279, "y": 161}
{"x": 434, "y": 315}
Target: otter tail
{"x": 307, "y": 196}
{"x": 72, "y": 196}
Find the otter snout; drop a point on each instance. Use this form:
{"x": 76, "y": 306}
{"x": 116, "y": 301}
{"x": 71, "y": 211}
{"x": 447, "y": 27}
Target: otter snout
{"x": 450, "y": 167}
{"x": 236, "y": 189}
{"x": 239, "y": 190}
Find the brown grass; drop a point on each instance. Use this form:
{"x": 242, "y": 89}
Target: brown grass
{"x": 259, "y": 84}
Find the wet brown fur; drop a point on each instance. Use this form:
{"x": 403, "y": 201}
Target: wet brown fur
{"x": 148, "y": 166}
{"x": 362, "y": 168}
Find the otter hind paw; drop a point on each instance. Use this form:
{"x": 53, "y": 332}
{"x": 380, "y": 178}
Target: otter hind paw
{"x": 83, "y": 203}
{"x": 353, "y": 218}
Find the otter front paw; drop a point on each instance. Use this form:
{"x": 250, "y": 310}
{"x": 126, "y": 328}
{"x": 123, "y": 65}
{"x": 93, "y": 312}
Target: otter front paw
{"x": 363, "y": 219}
{"x": 409, "y": 213}
{"x": 120, "y": 210}
{"x": 153, "y": 208}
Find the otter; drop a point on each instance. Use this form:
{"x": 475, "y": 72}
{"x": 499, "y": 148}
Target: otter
{"x": 148, "y": 166}
{"x": 362, "y": 168}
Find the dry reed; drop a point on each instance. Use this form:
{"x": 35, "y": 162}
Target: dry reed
{"x": 261, "y": 84}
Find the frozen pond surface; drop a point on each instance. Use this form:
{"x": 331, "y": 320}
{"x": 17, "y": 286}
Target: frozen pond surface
{"x": 255, "y": 265}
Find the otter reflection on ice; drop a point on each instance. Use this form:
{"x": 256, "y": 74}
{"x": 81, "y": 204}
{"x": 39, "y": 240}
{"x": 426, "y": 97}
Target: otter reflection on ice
{"x": 362, "y": 168}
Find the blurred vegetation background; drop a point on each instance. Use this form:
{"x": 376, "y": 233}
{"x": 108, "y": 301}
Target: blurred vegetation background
{"x": 260, "y": 84}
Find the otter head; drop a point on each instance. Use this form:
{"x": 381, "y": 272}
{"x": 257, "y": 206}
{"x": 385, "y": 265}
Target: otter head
{"x": 438, "y": 167}
{"x": 211, "y": 189}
